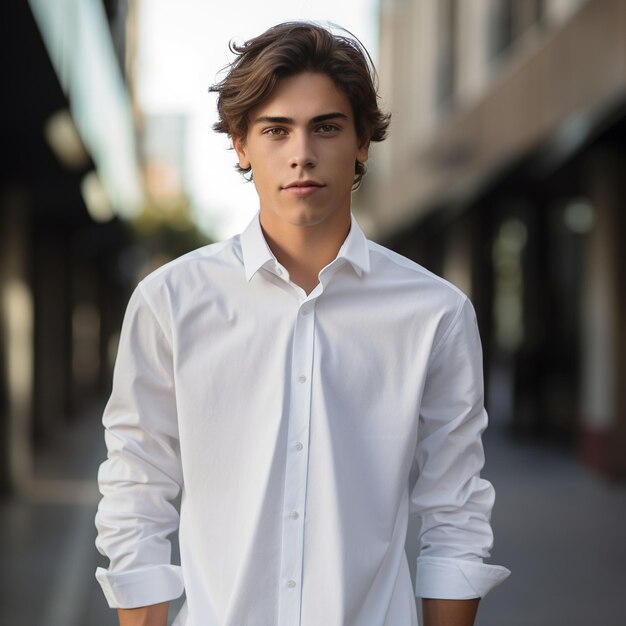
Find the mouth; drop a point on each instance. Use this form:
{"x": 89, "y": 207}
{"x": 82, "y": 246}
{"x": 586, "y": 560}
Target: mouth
{"x": 303, "y": 187}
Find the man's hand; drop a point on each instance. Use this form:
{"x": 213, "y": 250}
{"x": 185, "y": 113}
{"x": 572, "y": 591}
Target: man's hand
{"x": 449, "y": 612}
{"x": 154, "y": 615}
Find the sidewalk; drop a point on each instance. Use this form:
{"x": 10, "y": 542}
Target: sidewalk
{"x": 558, "y": 528}
{"x": 47, "y": 552}
{"x": 47, "y": 538}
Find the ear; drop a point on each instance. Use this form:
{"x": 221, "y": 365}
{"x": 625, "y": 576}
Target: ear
{"x": 363, "y": 152}
{"x": 240, "y": 149}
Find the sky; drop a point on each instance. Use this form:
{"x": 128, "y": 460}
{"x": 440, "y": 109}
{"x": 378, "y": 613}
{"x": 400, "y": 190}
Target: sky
{"x": 183, "y": 45}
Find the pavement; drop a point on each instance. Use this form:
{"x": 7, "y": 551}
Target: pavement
{"x": 561, "y": 530}
{"x": 558, "y": 527}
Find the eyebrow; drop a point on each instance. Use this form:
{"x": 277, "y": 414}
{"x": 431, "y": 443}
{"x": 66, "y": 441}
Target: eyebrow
{"x": 289, "y": 120}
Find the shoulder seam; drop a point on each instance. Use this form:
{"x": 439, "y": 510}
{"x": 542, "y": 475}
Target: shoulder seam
{"x": 150, "y": 306}
{"x": 413, "y": 266}
{"x": 453, "y": 323}
{"x": 198, "y": 253}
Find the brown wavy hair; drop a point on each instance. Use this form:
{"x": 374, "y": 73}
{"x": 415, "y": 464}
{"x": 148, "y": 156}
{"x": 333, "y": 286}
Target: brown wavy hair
{"x": 289, "y": 49}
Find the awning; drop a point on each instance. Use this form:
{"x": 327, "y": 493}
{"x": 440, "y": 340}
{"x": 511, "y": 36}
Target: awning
{"x": 78, "y": 40}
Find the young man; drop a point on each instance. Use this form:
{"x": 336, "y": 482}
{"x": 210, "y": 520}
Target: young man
{"x": 306, "y": 389}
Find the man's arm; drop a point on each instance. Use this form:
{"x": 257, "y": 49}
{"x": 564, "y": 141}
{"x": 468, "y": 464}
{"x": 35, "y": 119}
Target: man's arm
{"x": 449, "y": 612}
{"x": 451, "y": 499}
{"x": 142, "y": 475}
{"x": 154, "y": 615}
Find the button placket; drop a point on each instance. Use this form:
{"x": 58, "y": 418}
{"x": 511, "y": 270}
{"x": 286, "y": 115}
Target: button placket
{"x": 294, "y": 503}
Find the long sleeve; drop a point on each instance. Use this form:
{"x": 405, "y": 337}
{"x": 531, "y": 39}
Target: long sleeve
{"x": 452, "y": 501}
{"x": 142, "y": 474}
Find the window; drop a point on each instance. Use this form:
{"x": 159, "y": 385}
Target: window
{"x": 509, "y": 20}
{"x": 446, "y": 51}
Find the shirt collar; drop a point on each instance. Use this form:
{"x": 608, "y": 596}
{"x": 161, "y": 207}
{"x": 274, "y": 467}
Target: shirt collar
{"x": 355, "y": 249}
{"x": 256, "y": 253}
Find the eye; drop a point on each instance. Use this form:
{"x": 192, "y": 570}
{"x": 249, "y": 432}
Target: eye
{"x": 275, "y": 131}
{"x": 327, "y": 129}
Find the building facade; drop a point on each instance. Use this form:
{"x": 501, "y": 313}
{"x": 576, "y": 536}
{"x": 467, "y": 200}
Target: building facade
{"x": 69, "y": 171}
{"x": 505, "y": 173}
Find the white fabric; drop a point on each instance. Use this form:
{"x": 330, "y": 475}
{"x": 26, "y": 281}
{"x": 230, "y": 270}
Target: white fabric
{"x": 303, "y": 431}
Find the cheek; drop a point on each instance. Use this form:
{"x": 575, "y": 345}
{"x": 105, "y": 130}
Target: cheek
{"x": 344, "y": 162}
{"x": 264, "y": 174}
{"x": 262, "y": 159}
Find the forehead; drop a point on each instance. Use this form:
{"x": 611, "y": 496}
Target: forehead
{"x": 302, "y": 97}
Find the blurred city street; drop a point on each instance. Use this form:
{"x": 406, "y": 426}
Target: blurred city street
{"x": 558, "y": 527}
{"x": 503, "y": 173}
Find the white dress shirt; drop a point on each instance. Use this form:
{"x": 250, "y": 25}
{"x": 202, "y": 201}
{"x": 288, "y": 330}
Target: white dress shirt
{"x": 303, "y": 431}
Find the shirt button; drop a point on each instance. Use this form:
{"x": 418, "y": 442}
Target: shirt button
{"x": 298, "y": 446}
{"x": 294, "y": 515}
{"x": 302, "y": 378}
{"x": 291, "y": 584}
{"x": 306, "y": 311}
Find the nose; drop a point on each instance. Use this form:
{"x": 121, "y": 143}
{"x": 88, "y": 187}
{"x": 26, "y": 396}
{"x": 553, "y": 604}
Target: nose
{"x": 303, "y": 152}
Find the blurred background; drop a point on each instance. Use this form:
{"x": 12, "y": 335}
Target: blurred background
{"x": 505, "y": 173}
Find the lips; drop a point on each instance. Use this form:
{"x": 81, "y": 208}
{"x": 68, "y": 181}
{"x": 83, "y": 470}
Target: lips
{"x": 303, "y": 187}
{"x": 303, "y": 183}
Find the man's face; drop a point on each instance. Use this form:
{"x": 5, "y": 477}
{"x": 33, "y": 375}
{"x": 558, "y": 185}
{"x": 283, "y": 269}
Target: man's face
{"x": 302, "y": 147}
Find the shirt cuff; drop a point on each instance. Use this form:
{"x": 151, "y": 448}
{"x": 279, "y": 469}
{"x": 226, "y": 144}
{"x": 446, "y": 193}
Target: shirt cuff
{"x": 141, "y": 587}
{"x": 456, "y": 579}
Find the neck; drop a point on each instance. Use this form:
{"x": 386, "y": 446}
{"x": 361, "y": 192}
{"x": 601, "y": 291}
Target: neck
{"x": 305, "y": 250}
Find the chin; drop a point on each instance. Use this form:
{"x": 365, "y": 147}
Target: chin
{"x": 313, "y": 215}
